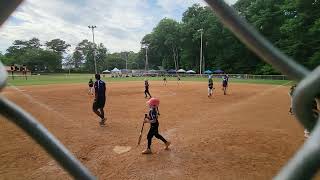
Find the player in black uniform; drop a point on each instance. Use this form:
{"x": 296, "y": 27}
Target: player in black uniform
{"x": 152, "y": 118}
{"x": 146, "y": 88}
{"x": 165, "y": 81}
{"x": 225, "y": 80}
{"x": 13, "y": 68}
{"x": 90, "y": 84}
{"x": 178, "y": 79}
{"x": 210, "y": 86}
{"x": 99, "y": 99}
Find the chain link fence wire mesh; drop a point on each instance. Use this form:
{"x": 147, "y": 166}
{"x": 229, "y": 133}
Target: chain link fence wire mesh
{"x": 306, "y": 162}
{"x": 29, "y": 124}
{"x": 303, "y": 165}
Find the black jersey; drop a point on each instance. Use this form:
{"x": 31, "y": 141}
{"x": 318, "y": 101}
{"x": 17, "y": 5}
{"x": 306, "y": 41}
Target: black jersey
{"x": 153, "y": 114}
{"x": 100, "y": 90}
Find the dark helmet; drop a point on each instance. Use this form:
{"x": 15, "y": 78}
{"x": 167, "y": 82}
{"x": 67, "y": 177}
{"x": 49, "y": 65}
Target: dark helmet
{"x": 97, "y": 76}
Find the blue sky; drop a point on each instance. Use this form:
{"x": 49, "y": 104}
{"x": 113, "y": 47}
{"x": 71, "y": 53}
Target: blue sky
{"x": 120, "y": 24}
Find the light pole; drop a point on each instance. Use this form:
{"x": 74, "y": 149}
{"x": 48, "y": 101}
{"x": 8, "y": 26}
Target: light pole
{"x": 127, "y": 54}
{"x": 206, "y": 53}
{"x": 146, "y": 64}
{"x": 201, "y": 31}
{"x": 94, "y": 50}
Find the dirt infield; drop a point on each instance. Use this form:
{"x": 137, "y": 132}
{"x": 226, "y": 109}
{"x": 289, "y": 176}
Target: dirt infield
{"x": 247, "y": 134}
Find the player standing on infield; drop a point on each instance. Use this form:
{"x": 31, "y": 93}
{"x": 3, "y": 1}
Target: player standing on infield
{"x": 146, "y": 88}
{"x": 225, "y": 80}
{"x": 99, "y": 99}
{"x": 90, "y": 84}
{"x": 210, "y": 86}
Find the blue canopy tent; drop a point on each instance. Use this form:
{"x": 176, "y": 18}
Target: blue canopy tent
{"x": 171, "y": 71}
{"x": 218, "y": 71}
{"x": 208, "y": 72}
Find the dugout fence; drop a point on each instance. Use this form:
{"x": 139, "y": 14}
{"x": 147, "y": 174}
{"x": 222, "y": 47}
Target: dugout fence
{"x": 303, "y": 165}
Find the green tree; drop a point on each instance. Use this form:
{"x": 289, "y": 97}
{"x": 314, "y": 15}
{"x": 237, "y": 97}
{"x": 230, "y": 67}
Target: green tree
{"x": 164, "y": 44}
{"x": 77, "y": 59}
{"x": 31, "y": 54}
{"x": 41, "y": 60}
{"x": 115, "y": 60}
{"x": 57, "y": 45}
{"x": 87, "y": 49}
{"x": 19, "y": 47}
{"x": 300, "y": 31}
{"x": 101, "y": 57}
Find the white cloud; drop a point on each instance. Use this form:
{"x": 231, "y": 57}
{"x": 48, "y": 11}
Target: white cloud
{"x": 172, "y": 5}
{"x": 120, "y": 24}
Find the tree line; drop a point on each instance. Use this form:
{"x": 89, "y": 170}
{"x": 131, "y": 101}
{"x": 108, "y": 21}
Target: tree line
{"x": 54, "y": 54}
{"x": 291, "y": 25}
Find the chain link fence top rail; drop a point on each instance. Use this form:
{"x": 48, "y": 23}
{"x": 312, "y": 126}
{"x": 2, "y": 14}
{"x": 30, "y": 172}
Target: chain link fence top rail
{"x": 303, "y": 165}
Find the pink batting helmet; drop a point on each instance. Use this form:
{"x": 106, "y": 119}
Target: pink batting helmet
{"x": 153, "y": 102}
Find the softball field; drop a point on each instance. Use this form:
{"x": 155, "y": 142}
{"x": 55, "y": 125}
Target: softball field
{"x": 247, "y": 134}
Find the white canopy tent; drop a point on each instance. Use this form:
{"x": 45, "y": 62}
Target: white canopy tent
{"x": 191, "y": 72}
{"x": 115, "y": 70}
{"x": 181, "y": 71}
{"x": 106, "y": 71}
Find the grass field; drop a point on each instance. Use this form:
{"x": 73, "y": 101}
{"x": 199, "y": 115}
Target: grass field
{"x": 84, "y": 78}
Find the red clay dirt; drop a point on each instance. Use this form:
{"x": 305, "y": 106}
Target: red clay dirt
{"x": 247, "y": 134}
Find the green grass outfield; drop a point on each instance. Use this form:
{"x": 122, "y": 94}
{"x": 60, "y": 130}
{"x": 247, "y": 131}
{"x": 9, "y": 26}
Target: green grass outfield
{"x": 84, "y": 78}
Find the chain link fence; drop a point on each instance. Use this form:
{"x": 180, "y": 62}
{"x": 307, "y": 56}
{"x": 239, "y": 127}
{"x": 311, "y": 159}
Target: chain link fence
{"x": 303, "y": 165}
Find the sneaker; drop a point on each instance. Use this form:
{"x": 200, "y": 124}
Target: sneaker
{"x": 306, "y": 133}
{"x": 102, "y": 122}
{"x": 167, "y": 145}
{"x": 147, "y": 151}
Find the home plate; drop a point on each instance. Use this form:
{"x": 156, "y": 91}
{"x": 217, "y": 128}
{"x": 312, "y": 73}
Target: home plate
{"x": 121, "y": 149}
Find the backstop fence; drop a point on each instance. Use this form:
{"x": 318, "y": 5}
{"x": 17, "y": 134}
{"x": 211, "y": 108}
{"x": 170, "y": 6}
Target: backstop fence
{"x": 303, "y": 165}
